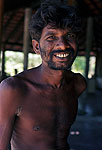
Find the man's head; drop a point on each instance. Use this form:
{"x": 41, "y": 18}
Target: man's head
{"x": 60, "y": 21}
{"x": 56, "y": 14}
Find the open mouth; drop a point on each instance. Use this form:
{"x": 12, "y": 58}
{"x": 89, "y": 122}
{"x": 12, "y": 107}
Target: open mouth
{"x": 65, "y": 55}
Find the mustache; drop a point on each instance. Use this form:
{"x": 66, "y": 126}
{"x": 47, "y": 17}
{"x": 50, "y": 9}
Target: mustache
{"x": 67, "y": 50}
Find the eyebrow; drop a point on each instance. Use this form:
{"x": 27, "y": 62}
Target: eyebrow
{"x": 53, "y": 33}
{"x": 49, "y": 33}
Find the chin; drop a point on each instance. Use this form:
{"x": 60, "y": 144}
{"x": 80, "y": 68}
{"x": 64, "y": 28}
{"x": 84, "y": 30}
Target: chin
{"x": 59, "y": 67}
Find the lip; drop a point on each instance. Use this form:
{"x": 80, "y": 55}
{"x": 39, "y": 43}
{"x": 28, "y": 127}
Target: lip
{"x": 62, "y": 56}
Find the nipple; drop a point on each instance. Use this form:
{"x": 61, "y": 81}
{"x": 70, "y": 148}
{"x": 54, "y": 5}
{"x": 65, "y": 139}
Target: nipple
{"x": 36, "y": 128}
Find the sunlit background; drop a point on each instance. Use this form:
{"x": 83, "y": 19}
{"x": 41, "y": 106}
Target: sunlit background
{"x": 14, "y": 63}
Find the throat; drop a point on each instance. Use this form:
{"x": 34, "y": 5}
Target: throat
{"x": 60, "y": 84}
{"x": 53, "y": 78}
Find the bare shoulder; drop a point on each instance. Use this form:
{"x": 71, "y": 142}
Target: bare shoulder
{"x": 8, "y": 84}
{"x": 79, "y": 83}
{"x": 29, "y": 75}
{"x": 19, "y": 81}
{"x": 79, "y": 78}
{"x": 12, "y": 89}
{"x": 8, "y": 88}
{"x": 12, "y": 83}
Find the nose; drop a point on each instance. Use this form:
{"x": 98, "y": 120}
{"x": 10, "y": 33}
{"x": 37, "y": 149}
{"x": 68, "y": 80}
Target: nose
{"x": 62, "y": 44}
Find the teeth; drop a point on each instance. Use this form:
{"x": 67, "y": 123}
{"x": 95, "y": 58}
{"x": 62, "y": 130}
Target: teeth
{"x": 62, "y": 55}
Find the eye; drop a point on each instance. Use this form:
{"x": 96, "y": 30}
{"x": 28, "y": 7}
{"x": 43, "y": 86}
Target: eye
{"x": 51, "y": 38}
{"x": 71, "y": 36}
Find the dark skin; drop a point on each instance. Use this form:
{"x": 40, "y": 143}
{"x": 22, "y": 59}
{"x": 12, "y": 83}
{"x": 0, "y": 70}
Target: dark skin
{"x": 38, "y": 106}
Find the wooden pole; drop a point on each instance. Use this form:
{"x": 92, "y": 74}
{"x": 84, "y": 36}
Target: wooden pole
{"x": 1, "y": 25}
{"x": 3, "y": 62}
{"x": 1, "y": 19}
{"x": 26, "y": 38}
{"x": 98, "y": 69}
{"x": 89, "y": 38}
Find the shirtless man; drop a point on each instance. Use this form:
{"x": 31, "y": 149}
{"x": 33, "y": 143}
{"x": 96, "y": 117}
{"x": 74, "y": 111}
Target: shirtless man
{"x": 38, "y": 106}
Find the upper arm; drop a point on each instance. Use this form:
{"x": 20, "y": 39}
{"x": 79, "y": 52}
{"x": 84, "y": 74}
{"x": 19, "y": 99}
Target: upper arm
{"x": 80, "y": 84}
{"x": 8, "y": 106}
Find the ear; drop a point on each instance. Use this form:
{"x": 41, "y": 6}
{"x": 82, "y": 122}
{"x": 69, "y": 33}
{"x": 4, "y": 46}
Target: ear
{"x": 35, "y": 45}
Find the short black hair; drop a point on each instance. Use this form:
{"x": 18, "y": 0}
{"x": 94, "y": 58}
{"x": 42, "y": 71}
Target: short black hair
{"x": 56, "y": 14}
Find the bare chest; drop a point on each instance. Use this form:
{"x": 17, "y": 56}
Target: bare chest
{"x": 48, "y": 109}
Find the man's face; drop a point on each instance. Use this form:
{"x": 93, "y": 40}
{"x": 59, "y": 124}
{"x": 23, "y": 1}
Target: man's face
{"x": 58, "y": 48}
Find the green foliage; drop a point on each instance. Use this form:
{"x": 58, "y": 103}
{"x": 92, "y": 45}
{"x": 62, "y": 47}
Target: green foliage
{"x": 79, "y": 65}
{"x": 14, "y": 60}
{"x": 34, "y": 60}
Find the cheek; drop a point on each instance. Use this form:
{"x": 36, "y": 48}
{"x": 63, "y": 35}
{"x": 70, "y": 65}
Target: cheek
{"x": 47, "y": 47}
{"x": 74, "y": 46}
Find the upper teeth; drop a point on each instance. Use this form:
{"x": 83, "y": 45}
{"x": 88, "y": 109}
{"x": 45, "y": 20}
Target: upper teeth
{"x": 62, "y": 55}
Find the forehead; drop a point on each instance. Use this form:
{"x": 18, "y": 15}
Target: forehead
{"x": 51, "y": 30}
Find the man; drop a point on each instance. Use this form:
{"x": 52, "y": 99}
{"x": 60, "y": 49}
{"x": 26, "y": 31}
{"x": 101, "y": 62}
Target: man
{"x": 38, "y": 106}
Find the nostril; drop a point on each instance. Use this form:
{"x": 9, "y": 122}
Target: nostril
{"x": 62, "y": 45}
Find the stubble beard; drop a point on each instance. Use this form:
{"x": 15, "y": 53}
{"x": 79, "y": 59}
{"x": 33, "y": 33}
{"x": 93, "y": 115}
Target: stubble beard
{"x": 66, "y": 65}
{"x": 61, "y": 66}
{"x": 58, "y": 65}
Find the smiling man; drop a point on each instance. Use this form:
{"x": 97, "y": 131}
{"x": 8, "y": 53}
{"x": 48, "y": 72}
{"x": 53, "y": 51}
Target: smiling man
{"x": 38, "y": 106}
{"x": 57, "y": 47}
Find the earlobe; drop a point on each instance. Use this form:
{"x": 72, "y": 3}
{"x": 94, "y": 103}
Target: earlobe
{"x": 35, "y": 45}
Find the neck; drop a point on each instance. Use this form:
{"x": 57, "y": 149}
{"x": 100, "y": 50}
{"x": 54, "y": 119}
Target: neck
{"x": 52, "y": 77}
